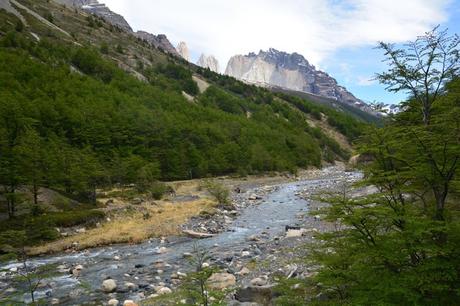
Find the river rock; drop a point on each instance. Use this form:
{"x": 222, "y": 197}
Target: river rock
{"x": 130, "y": 286}
{"x": 161, "y": 250}
{"x": 137, "y": 201}
{"x": 163, "y": 290}
{"x": 205, "y": 265}
{"x": 113, "y": 302}
{"x": 109, "y": 285}
{"x": 244, "y": 271}
{"x": 129, "y": 303}
{"x": 259, "y": 281}
{"x": 198, "y": 235}
{"x": 260, "y": 294}
{"x": 219, "y": 281}
{"x": 80, "y": 230}
{"x": 293, "y": 233}
{"x": 76, "y": 271}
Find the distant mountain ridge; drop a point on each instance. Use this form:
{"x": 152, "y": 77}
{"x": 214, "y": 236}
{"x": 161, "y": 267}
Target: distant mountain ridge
{"x": 99, "y": 9}
{"x": 290, "y": 71}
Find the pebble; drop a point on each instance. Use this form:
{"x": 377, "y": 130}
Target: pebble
{"x": 113, "y": 302}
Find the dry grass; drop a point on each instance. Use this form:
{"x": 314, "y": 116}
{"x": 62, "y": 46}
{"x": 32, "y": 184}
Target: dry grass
{"x": 132, "y": 226}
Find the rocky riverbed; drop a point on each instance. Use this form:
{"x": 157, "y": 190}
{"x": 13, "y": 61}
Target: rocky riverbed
{"x": 249, "y": 243}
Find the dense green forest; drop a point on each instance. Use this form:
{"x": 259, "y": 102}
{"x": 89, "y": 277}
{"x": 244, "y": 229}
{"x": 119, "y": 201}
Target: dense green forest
{"x": 399, "y": 245}
{"x": 71, "y": 120}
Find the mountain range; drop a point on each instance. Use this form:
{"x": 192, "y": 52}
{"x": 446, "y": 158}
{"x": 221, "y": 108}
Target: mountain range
{"x": 275, "y": 68}
{"x": 272, "y": 68}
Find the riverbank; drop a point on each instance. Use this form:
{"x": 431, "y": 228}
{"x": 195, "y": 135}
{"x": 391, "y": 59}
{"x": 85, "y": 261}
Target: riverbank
{"x": 253, "y": 245}
{"x": 133, "y": 218}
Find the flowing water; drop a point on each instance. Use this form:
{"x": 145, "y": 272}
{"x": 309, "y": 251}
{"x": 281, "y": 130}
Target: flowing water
{"x": 275, "y": 211}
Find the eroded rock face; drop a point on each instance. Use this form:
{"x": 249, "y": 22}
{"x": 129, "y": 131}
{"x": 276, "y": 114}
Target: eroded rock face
{"x": 208, "y": 61}
{"x": 182, "y": 49}
{"x": 290, "y": 71}
{"x": 159, "y": 41}
{"x": 101, "y": 10}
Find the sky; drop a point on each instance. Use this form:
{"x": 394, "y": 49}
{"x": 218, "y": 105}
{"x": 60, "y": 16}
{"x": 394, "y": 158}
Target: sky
{"x": 337, "y": 36}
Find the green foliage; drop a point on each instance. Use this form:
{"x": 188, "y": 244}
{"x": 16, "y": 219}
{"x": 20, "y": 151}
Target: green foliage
{"x": 181, "y": 76}
{"x": 401, "y": 244}
{"x": 157, "y": 189}
{"x": 148, "y": 175}
{"x": 40, "y": 230}
{"x": 119, "y": 49}
{"x": 219, "y": 192}
{"x": 89, "y": 62}
{"x": 19, "y": 26}
{"x": 71, "y": 218}
{"x": 49, "y": 16}
{"x": 104, "y": 48}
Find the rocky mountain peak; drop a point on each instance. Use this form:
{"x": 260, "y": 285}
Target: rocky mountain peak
{"x": 182, "y": 49}
{"x": 290, "y": 71}
{"x": 208, "y": 61}
{"x": 159, "y": 41}
{"x": 101, "y": 10}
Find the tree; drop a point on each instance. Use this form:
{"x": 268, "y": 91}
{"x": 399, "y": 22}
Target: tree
{"x": 13, "y": 126}
{"x": 400, "y": 244}
{"x": 422, "y": 68}
{"x": 33, "y": 161}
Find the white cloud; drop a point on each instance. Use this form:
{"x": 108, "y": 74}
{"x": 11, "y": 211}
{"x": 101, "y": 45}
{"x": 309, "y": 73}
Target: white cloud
{"x": 314, "y": 28}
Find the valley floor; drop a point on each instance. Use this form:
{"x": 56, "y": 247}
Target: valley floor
{"x": 250, "y": 243}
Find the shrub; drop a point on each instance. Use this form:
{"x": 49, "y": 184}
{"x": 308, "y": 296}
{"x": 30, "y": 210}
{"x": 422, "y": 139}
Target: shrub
{"x": 157, "y": 190}
{"x": 39, "y": 230}
{"x": 104, "y": 48}
{"x": 219, "y": 192}
{"x": 72, "y": 218}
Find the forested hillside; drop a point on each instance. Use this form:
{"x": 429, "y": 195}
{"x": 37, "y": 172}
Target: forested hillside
{"x": 84, "y": 110}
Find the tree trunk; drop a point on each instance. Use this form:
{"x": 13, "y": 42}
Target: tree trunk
{"x": 11, "y": 202}
{"x": 440, "y": 196}
{"x": 35, "y": 191}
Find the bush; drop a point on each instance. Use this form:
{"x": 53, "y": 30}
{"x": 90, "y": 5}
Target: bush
{"x": 104, "y": 48}
{"x": 219, "y": 192}
{"x": 40, "y": 230}
{"x": 157, "y": 190}
{"x": 72, "y": 218}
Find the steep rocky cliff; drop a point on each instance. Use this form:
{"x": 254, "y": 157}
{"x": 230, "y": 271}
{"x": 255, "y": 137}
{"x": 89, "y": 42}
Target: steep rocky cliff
{"x": 182, "y": 49}
{"x": 101, "y": 10}
{"x": 159, "y": 41}
{"x": 209, "y": 61}
{"x": 290, "y": 71}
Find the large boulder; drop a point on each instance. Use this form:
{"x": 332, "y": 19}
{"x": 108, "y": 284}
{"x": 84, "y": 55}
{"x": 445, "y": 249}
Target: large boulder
{"x": 109, "y": 285}
{"x": 219, "y": 281}
{"x": 259, "y": 294}
{"x": 163, "y": 290}
{"x": 259, "y": 281}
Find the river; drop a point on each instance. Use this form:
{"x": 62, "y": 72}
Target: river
{"x": 134, "y": 263}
